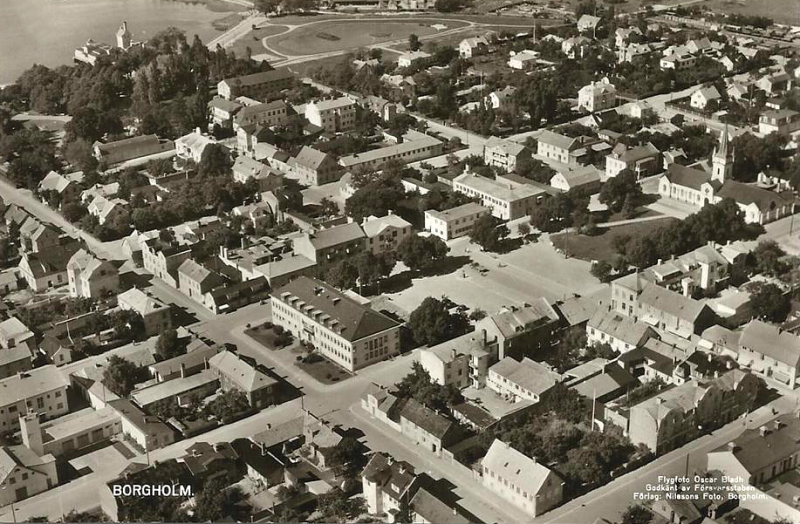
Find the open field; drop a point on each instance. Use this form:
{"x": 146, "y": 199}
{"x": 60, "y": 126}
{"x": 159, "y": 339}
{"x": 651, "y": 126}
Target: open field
{"x": 335, "y": 36}
{"x": 253, "y": 40}
{"x": 782, "y": 11}
{"x": 600, "y": 247}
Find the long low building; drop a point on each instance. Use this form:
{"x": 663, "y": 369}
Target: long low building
{"x": 347, "y": 332}
{"x": 415, "y": 146}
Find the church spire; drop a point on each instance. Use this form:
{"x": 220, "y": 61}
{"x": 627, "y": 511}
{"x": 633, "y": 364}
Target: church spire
{"x": 722, "y": 160}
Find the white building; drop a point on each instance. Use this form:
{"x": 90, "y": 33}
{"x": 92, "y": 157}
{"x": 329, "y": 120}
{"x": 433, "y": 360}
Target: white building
{"x": 524, "y": 60}
{"x": 43, "y": 389}
{"x": 506, "y": 199}
{"x": 701, "y": 97}
{"x": 334, "y": 116}
{"x": 474, "y": 46}
{"x": 23, "y": 474}
{"x": 346, "y": 332}
{"x": 597, "y": 96}
{"x": 412, "y": 58}
{"x": 191, "y": 146}
{"x": 385, "y": 233}
{"x": 455, "y": 222}
{"x": 518, "y": 381}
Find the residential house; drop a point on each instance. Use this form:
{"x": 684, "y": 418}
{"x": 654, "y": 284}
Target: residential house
{"x": 91, "y": 277}
{"x": 678, "y": 61}
{"x": 385, "y": 233}
{"x": 162, "y": 258}
{"x": 524, "y": 60}
{"x": 190, "y": 363}
{"x": 703, "y": 96}
{"x": 519, "y": 381}
{"x": 597, "y": 96}
{"x": 222, "y": 111}
{"x": 147, "y": 431}
{"x": 575, "y": 47}
{"x": 670, "y": 311}
{"x": 587, "y": 178}
{"x": 43, "y": 389}
{"x": 157, "y": 315}
{"x": 207, "y": 462}
{"x": 192, "y": 145}
{"x": 328, "y": 246}
{"x": 454, "y": 222}
{"x": 109, "y": 211}
{"x": 588, "y": 23}
{"x": 17, "y": 359}
{"x": 622, "y": 333}
{"x": 522, "y": 331}
{"x": 114, "y": 153}
{"x": 412, "y": 59}
{"x": 781, "y": 121}
{"x": 14, "y": 333}
{"x": 501, "y": 99}
{"x": 388, "y": 486}
{"x": 35, "y": 236}
{"x": 775, "y": 83}
{"x": 770, "y": 352}
{"x": 557, "y": 147}
{"x": 642, "y": 160}
{"x": 521, "y": 480}
{"x": 622, "y": 36}
{"x": 268, "y": 114}
{"x": 427, "y": 508}
{"x": 315, "y": 168}
{"x": 334, "y": 116}
{"x": 427, "y": 428}
{"x": 504, "y": 153}
{"x": 196, "y": 281}
{"x": 349, "y": 333}
{"x": 58, "y": 351}
{"x": 261, "y": 86}
{"x": 474, "y": 46}
{"x": 246, "y": 169}
{"x": 48, "y": 268}
{"x": 24, "y": 474}
{"x": 236, "y": 373}
{"x": 66, "y": 189}
{"x": 461, "y": 362}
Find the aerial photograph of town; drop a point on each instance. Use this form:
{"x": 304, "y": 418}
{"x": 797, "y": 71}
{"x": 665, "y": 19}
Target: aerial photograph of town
{"x": 400, "y": 261}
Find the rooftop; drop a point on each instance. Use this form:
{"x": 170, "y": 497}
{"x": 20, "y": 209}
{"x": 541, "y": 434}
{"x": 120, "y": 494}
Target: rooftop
{"x": 530, "y": 375}
{"x": 243, "y": 374}
{"x": 23, "y": 386}
{"x": 519, "y": 470}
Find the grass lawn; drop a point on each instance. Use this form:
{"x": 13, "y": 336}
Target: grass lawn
{"x": 782, "y": 11}
{"x": 600, "y": 247}
{"x": 324, "y": 371}
{"x": 253, "y": 40}
{"x": 339, "y": 35}
{"x": 264, "y": 336}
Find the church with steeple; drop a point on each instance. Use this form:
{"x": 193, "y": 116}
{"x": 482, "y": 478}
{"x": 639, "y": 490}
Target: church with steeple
{"x": 703, "y": 183}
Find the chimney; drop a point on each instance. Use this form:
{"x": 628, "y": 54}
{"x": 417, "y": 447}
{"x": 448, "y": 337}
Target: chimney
{"x": 183, "y": 370}
{"x": 453, "y": 354}
{"x": 660, "y": 261}
{"x": 244, "y": 242}
{"x": 483, "y": 336}
{"x": 731, "y": 446}
{"x": 710, "y": 357}
{"x": 762, "y": 431}
{"x": 776, "y": 425}
{"x": 455, "y": 511}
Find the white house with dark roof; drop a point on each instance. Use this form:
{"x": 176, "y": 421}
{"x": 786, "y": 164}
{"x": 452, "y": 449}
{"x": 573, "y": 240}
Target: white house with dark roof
{"x": 504, "y": 153}
{"x": 501, "y": 98}
{"x": 24, "y": 474}
{"x": 43, "y": 389}
{"x": 347, "y": 332}
{"x": 584, "y": 177}
{"x": 461, "y": 362}
{"x": 91, "y": 277}
{"x": 474, "y": 46}
{"x": 642, "y": 160}
{"x": 622, "y": 333}
{"x": 700, "y": 98}
{"x": 521, "y": 480}
{"x": 315, "y": 168}
{"x": 521, "y": 331}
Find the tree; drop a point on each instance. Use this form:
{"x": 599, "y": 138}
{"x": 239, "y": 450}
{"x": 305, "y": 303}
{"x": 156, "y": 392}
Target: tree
{"x": 80, "y": 155}
{"x": 217, "y": 501}
{"x": 342, "y": 274}
{"x": 214, "y": 161}
{"x": 230, "y": 403}
{"x": 419, "y": 386}
{"x": 767, "y": 256}
{"x": 414, "y": 43}
{"x": 432, "y": 322}
{"x": 619, "y": 190}
{"x": 421, "y": 253}
{"x": 168, "y": 345}
{"x": 601, "y": 270}
{"x": 488, "y": 232}
{"x": 637, "y": 515}
{"x": 768, "y": 302}
{"x": 128, "y": 325}
{"x": 335, "y": 505}
{"x": 120, "y": 375}
{"x": 447, "y": 6}
{"x": 267, "y": 6}
{"x": 375, "y": 198}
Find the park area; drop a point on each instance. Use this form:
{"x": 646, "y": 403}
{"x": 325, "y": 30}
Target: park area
{"x": 334, "y": 35}
{"x": 601, "y": 246}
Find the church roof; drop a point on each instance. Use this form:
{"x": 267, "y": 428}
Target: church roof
{"x": 689, "y": 177}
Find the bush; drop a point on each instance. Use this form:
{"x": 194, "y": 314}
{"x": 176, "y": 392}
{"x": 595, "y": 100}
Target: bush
{"x": 278, "y": 329}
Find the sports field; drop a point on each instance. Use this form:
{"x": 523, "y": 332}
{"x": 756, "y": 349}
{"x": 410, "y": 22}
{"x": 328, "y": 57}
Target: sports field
{"x": 338, "y": 35}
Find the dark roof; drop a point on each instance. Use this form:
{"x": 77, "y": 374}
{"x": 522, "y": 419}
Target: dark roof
{"x": 433, "y": 509}
{"x": 201, "y": 455}
{"x": 347, "y": 317}
{"x": 427, "y": 419}
{"x": 476, "y": 415}
{"x": 687, "y": 176}
{"x": 190, "y": 360}
{"x": 749, "y": 194}
{"x": 671, "y": 302}
{"x": 52, "y": 260}
{"x": 263, "y": 463}
{"x": 137, "y": 417}
{"x": 392, "y": 475}
{"x": 755, "y": 452}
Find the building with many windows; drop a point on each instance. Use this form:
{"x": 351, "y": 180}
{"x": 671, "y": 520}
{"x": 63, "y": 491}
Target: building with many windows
{"x": 507, "y": 200}
{"x": 261, "y": 86}
{"x": 43, "y": 389}
{"x": 335, "y": 116}
{"x": 455, "y": 222}
{"x": 349, "y": 333}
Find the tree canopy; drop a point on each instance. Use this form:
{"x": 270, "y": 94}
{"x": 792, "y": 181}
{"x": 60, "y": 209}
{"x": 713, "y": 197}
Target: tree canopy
{"x": 432, "y": 322}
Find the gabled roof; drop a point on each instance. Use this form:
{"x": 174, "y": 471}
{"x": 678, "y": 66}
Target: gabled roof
{"x": 140, "y": 301}
{"x": 333, "y": 236}
{"x": 374, "y": 226}
{"x": 747, "y": 194}
{"x": 243, "y": 374}
{"x": 688, "y": 176}
{"x": 619, "y": 326}
{"x": 671, "y": 302}
{"x": 755, "y": 451}
{"x": 50, "y": 261}
{"x": 31, "y": 383}
{"x": 518, "y": 469}
{"x": 311, "y": 158}
{"x": 771, "y": 341}
{"x": 54, "y": 182}
{"x": 12, "y": 457}
{"x": 557, "y": 140}
{"x": 189, "y": 359}
{"x": 427, "y": 419}
{"x": 200, "y": 274}
{"x": 513, "y": 322}
{"x": 259, "y": 78}
{"x": 509, "y": 147}
{"x": 433, "y": 509}
{"x": 279, "y": 433}
{"x": 528, "y": 374}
